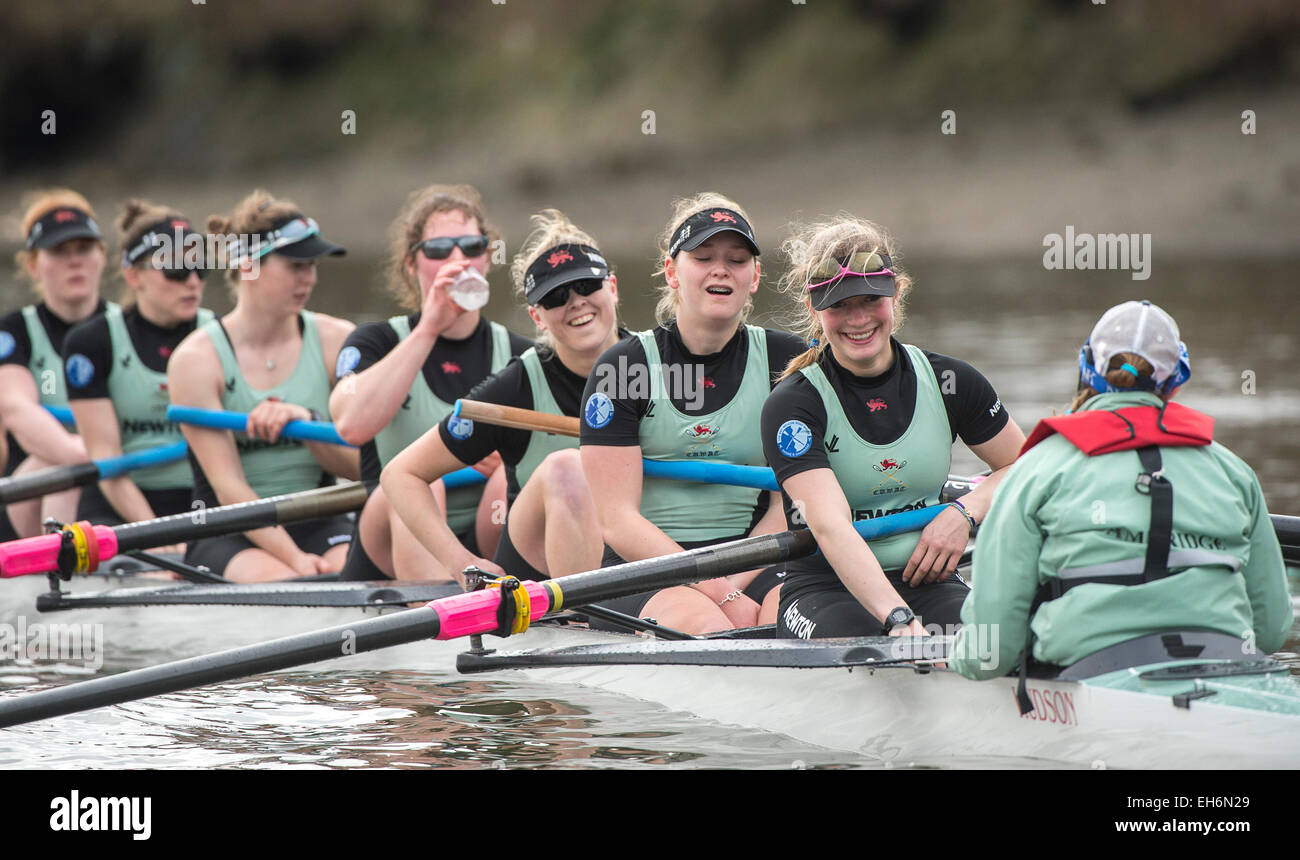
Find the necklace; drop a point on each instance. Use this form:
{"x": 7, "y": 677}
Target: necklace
{"x": 270, "y": 364}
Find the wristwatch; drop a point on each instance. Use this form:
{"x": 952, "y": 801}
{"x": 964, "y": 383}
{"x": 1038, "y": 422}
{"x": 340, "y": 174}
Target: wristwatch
{"x": 900, "y": 616}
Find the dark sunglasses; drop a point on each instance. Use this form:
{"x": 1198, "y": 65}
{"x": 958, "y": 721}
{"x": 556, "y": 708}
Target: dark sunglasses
{"x": 441, "y": 247}
{"x": 180, "y": 276}
{"x": 559, "y": 297}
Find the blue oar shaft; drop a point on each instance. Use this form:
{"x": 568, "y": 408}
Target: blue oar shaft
{"x": 62, "y": 413}
{"x": 111, "y": 467}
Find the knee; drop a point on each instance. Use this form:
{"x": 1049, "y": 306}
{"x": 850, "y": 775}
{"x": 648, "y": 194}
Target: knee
{"x": 565, "y": 482}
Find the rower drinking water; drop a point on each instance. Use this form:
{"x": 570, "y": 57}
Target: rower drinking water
{"x": 1124, "y": 522}
{"x": 691, "y": 389}
{"x": 117, "y": 365}
{"x": 275, "y": 360}
{"x": 402, "y": 376}
{"x": 862, "y": 426}
{"x": 62, "y": 257}
{"x": 552, "y": 528}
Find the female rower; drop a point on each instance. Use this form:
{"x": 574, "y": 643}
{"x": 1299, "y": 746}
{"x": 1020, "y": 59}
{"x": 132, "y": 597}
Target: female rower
{"x": 117, "y": 365}
{"x": 1124, "y": 519}
{"x": 862, "y": 426}
{"x": 402, "y": 376}
{"x": 551, "y": 529}
{"x": 692, "y": 388}
{"x": 63, "y": 257}
{"x": 274, "y": 360}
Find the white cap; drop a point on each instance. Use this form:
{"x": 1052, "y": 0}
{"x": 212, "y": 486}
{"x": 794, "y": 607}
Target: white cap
{"x": 1140, "y": 328}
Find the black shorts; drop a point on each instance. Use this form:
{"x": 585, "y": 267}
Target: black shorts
{"x": 315, "y": 536}
{"x": 95, "y": 506}
{"x": 817, "y": 607}
{"x": 634, "y": 604}
{"x": 511, "y": 561}
{"x": 361, "y": 568}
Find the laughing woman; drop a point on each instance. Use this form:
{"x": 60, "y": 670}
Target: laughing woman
{"x": 401, "y": 376}
{"x": 117, "y": 367}
{"x": 63, "y": 258}
{"x": 860, "y": 427}
{"x": 551, "y": 529}
{"x": 703, "y": 375}
{"x": 274, "y": 360}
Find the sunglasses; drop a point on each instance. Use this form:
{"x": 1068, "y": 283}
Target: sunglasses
{"x": 180, "y": 276}
{"x": 441, "y": 247}
{"x": 559, "y": 297}
{"x": 862, "y": 264}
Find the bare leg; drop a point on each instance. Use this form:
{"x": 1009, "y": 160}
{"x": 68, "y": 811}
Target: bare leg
{"x": 553, "y": 522}
{"x": 687, "y": 610}
{"x": 27, "y": 516}
{"x": 257, "y": 565}
{"x": 410, "y": 559}
{"x": 491, "y": 513}
{"x": 375, "y": 531}
{"x": 771, "y": 603}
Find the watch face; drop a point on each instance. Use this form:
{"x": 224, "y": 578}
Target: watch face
{"x": 899, "y": 616}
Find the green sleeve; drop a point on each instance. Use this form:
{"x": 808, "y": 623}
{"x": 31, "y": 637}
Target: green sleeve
{"x": 996, "y": 612}
{"x": 1265, "y": 574}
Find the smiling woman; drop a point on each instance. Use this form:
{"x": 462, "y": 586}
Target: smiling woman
{"x": 709, "y": 374}
{"x": 275, "y": 360}
{"x": 859, "y": 427}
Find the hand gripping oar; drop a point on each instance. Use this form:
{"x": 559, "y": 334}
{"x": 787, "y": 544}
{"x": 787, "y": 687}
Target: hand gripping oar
{"x": 303, "y": 431}
{"x": 91, "y": 543}
{"x": 451, "y": 617}
{"x": 56, "y": 478}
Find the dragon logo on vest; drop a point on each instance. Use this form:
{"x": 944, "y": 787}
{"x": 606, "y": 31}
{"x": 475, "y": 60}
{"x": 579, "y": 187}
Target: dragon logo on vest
{"x": 703, "y": 435}
{"x": 889, "y": 467}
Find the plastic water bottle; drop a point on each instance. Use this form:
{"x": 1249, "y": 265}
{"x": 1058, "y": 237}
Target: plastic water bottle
{"x": 469, "y": 290}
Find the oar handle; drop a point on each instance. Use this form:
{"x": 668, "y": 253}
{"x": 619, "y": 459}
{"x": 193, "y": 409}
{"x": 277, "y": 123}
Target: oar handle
{"x": 513, "y": 416}
{"x": 111, "y": 467}
{"x": 16, "y": 488}
{"x": 63, "y": 414}
{"x": 41, "y": 554}
{"x": 237, "y": 422}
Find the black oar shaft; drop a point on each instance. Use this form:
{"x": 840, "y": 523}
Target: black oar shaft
{"x": 328, "y": 644}
{"x": 52, "y": 480}
{"x": 297, "y": 507}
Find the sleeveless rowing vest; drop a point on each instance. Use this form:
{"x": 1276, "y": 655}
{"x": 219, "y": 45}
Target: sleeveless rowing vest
{"x": 45, "y": 362}
{"x": 904, "y": 475}
{"x": 687, "y": 511}
{"x": 424, "y": 409}
{"x": 540, "y": 445}
{"x": 139, "y": 396}
{"x": 287, "y": 466}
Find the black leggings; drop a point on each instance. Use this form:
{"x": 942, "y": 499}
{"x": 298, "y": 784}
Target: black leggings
{"x": 819, "y": 608}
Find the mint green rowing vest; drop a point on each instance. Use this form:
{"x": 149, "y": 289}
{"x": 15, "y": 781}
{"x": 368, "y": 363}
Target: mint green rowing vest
{"x": 45, "y": 363}
{"x": 424, "y": 410}
{"x": 287, "y": 466}
{"x": 540, "y": 445}
{"x": 686, "y": 511}
{"x": 906, "y": 474}
{"x": 139, "y": 396}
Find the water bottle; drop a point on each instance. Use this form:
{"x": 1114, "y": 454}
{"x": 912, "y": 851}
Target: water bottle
{"x": 469, "y": 290}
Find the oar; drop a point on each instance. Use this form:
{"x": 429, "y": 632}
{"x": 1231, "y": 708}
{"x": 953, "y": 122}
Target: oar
{"x": 63, "y": 414}
{"x": 303, "y": 431}
{"x": 449, "y": 618}
{"x": 92, "y": 543}
{"x": 56, "y": 478}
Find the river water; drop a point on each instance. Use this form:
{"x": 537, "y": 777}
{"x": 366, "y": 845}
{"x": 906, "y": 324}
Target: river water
{"x": 1019, "y": 324}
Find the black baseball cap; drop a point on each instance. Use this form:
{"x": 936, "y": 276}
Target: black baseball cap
{"x": 697, "y": 229}
{"x": 177, "y": 230}
{"x": 562, "y": 265}
{"x": 59, "y": 225}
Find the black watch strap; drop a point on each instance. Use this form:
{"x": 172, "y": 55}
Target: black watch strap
{"x": 897, "y": 616}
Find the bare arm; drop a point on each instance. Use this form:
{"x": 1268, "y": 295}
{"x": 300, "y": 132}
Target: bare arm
{"x": 818, "y": 495}
{"x": 406, "y": 481}
{"x": 99, "y": 425}
{"x": 194, "y": 379}
{"x": 37, "y": 431}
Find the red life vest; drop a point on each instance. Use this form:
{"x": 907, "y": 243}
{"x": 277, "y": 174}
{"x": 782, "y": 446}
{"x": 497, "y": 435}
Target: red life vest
{"x": 1102, "y": 431}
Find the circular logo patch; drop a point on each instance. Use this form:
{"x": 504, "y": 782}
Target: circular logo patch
{"x": 349, "y": 357}
{"x": 79, "y": 370}
{"x": 460, "y": 428}
{"x": 7, "y": 344}
{"x": 794, "y": 438}
{"x": 598, "y": 411}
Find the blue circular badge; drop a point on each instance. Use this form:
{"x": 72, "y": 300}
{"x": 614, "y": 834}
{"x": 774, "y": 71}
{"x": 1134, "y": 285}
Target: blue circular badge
{"x": 79, "y": 370}
{"x": 599, "y": 410}
{"x": 460, "y": 428}
{"x": 7, "y": 344}
{"x": 794, "y": 438}
{"x": 349, "y": 357}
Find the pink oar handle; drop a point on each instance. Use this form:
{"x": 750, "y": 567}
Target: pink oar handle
{"x": 476, "y": 612}
{"x": 41, "y": 554}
